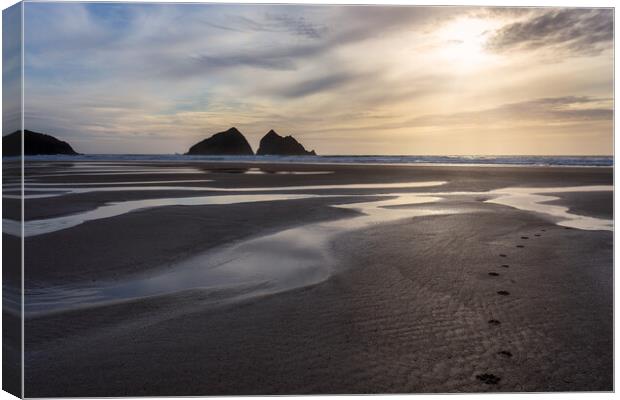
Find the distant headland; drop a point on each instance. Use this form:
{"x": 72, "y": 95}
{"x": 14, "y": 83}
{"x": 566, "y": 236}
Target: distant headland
{"x": 35, "y": 143}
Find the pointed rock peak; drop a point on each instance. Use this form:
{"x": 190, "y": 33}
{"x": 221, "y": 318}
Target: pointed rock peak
{"x": 232, "y": 130}
{"x": 274, "y": 144}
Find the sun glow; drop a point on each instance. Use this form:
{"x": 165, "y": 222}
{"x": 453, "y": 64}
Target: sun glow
{"x": 463, "y": 42}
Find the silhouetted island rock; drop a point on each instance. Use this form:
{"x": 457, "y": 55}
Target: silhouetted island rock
{"x": 274, "y": 144}
{"x": 227, "y": 143}
{"x": 34, "y": 144}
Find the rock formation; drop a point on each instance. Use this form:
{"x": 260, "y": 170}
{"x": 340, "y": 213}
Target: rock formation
{"x": 34, "y": 144}
{"x": 274, "y": 144}
{"x": 230, "y": 142}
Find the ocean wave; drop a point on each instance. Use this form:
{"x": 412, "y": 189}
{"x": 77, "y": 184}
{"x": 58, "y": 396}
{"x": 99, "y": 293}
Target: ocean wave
{"x": 581, "y": 161}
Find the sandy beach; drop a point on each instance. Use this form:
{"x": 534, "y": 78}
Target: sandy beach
{"x": 315, "y": 279}
{"x": 307, "y": 199}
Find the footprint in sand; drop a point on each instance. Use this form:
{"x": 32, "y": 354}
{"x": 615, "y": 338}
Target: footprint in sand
{"x": 489, "y": 379}
{"x": 520, "y": 246}
{"x": 494, "y": 322}
{"x": 493, "y": 274}
{"x": 505, "y": 266}
{"x": 503, "y": 293}
{"x": 504, "y": 354}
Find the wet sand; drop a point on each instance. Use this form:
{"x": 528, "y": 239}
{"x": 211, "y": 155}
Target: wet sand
{"x": 440, "y": 303}
{"x": 594, "y": 204}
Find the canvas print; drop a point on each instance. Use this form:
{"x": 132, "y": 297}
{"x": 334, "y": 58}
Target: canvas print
{"x": 253, "y": 199}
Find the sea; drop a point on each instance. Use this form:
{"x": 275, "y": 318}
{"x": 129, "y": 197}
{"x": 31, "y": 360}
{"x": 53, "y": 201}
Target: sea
{"x": 567, "y": 161}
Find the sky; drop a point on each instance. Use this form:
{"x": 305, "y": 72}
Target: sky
{"x": 156, "y": 78}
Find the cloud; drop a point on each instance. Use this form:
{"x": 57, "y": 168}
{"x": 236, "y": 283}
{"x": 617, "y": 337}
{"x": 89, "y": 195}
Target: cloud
{"x": 313, "y": 86}
{"x": 299, "y": 25}
{"x": 503, "y": 12}
{"x": 11, "y": 69}
{"x": 185, "y": 42}
{"x": 273, "y": 23}
{"x": 550, "y": 110}
{"x": 104, "y": 75}
{"x": 572, "y": 31}
{"x": 207, "y": 63}
{"x": 567, "y": 110}
{"x": 348, "y": 25}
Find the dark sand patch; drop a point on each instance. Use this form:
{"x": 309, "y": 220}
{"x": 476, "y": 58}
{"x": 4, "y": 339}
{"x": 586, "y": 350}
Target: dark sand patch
{"x": 409, "y": 311}
{"x": 489, "y": 379}
{"x": 504, "y": 354}
{"x": 470, "y": 179}
{"x": 142, "y": 241}
{"x": 591, "y": 204}
{"x": 404, "y": 312}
